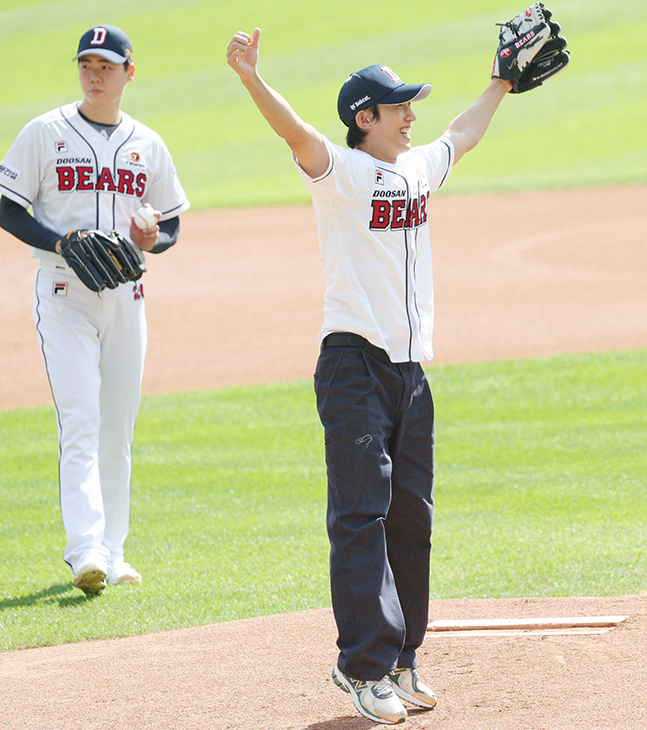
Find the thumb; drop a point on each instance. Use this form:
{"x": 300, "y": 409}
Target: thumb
{"x": 256, "y": 36}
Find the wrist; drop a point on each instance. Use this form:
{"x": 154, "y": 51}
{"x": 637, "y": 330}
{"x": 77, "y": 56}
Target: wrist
{"x": 504, "y": 84}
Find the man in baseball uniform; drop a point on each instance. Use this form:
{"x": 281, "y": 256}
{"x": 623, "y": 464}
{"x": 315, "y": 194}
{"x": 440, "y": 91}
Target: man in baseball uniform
{"x": 90, "y": 166}
{"x": 372, "y": 204}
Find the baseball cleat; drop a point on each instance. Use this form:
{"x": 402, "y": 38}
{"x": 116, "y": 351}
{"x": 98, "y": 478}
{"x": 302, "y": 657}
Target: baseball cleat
{"x": 90, "y": 578}
{"x": 408, "y": 686}
{"x": 373, "y": 699}
{"x": 121, "y": 572}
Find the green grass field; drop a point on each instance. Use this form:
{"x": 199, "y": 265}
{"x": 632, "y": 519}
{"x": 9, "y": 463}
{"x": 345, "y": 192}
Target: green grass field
{"x": 582, "y": 129}
{"x": 540, "y": 492}
{"x": 541, "y": 471}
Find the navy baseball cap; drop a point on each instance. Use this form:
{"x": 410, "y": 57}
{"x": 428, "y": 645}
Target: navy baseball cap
{"x": 108, "y": 42}
{"x": 376, "y": 85}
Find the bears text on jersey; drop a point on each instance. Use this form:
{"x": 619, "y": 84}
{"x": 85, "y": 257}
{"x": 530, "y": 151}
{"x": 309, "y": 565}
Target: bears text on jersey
{"x": 83, "y": 178}
{"x": 395, "y": 214}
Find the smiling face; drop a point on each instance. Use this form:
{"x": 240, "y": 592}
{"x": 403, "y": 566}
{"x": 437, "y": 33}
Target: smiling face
{"x": 390, "y": 134}
{"x": 103, "y": 84}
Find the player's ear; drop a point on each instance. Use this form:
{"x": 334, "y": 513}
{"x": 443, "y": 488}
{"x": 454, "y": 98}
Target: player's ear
{"x": 131, "y": 72}
{"x": 364, "y": 119}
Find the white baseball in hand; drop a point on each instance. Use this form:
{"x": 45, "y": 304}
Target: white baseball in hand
{"x": 145, "y": 218}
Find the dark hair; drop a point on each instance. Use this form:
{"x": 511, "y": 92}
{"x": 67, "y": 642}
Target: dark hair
{"x": 355, "y": 136}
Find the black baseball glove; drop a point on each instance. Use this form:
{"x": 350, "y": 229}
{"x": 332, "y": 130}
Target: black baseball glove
{"x": 551, "y": 59}
{"x": 101, "y": 260}
{"x": 520, "y": 40}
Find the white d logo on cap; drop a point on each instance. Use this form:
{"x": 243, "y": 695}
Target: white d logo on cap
{"x": 99, "y": 37}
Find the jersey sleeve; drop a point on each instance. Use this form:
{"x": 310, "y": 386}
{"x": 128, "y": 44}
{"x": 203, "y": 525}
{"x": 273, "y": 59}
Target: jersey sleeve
{"x": 165, "y": 192}
{"x": 341, "y": 182}
{"x": 19, "y": 170}
{"x": 436, "y": 161}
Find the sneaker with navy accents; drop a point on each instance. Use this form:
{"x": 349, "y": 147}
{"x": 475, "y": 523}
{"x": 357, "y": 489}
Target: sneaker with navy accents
{"x": 374, "y": 699}
{"x": 408, "y": 685}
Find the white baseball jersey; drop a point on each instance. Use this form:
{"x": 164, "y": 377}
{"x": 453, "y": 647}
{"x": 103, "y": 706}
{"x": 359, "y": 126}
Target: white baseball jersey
{"x": 375, "y": 246}
{"x": 74, "y": 177}
{"x": 93, "y": 344}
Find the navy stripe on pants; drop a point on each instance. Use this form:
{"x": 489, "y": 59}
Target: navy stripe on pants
{"x": 378, "y": 418}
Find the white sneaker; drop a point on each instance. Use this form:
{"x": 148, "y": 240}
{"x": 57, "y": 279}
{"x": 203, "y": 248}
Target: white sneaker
{"x": 121, "y": 572}
{"x": 90, "y": 578}
{"x": 375, "y": 700}
{"x": 408, "y": 685}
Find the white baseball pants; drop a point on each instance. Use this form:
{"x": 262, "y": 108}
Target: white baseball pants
{"x": 94, "y": 347}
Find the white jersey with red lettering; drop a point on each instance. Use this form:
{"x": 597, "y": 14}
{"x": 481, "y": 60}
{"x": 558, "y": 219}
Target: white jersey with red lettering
{"x": 373, "y": 220}
{"x": 76, "y": 177}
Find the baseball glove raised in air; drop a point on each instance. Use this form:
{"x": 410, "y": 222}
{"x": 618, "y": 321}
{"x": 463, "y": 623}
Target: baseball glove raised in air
{"x": 101, "y": 260}
{"x": 520, "y": 40}
{"x": 551, "y": 59}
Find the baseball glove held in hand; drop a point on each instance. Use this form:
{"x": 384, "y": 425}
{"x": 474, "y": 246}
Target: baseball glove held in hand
{"x": 520, "y": 40}
{"x": 551, "y": 59}
{"x": 101, "y": 260}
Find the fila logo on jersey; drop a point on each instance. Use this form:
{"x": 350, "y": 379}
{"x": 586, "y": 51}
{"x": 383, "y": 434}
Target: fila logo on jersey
{"x": 395, "y": 214}
{"x": 83, "y": 178}
{"x": 59, "y": 289}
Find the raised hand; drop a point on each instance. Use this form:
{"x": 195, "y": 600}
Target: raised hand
{"x": 242, "y": 52}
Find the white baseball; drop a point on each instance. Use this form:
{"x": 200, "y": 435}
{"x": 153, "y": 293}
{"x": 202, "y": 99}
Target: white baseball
{"x": 145, "y": 218}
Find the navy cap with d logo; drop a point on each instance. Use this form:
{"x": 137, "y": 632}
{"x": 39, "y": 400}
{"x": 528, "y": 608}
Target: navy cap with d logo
{"x": 106, "y": 41}
{"x": 376, "y": 85}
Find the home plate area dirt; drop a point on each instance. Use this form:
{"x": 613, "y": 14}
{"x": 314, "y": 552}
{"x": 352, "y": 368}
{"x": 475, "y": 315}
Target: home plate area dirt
{"x": 238, "y": 301}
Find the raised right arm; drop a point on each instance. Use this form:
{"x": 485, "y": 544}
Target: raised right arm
{"x": 306, "y": 143}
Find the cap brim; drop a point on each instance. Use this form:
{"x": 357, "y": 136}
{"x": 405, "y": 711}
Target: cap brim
{"x": 108, "y": 55}
{"x": 407, "y": 93}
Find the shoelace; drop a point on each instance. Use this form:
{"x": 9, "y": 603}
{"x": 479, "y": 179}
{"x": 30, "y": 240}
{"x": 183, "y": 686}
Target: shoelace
{"x": 383, "y": 688}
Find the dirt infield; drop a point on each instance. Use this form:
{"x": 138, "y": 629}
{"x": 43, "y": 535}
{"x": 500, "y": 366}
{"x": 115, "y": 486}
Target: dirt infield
{"x": 273, "y": 673}
{"x": 238, "y": 301}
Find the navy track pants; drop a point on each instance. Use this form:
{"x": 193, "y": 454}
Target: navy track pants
{"x": 378, "y": 418}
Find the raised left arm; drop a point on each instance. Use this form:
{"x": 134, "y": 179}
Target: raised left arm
{"x": 467, "y": 130}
